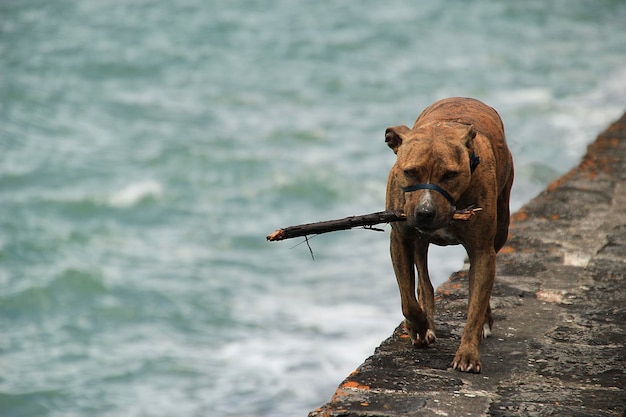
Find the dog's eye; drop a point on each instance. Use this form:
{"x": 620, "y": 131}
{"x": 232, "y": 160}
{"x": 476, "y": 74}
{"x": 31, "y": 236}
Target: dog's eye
{"x": 410, "y": 173}
{"x": 450, "y": 175}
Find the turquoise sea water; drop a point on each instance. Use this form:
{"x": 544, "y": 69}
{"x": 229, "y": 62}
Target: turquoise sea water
{"x": 147, "y": 148}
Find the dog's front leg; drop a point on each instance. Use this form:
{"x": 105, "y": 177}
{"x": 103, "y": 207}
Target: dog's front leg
{"x": 402, "y": 258}
{"x": 425, "y": 291}
{"x": 481, "y": 278}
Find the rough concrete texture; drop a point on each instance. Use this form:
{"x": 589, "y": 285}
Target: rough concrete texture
{"x": 559, "y": 304}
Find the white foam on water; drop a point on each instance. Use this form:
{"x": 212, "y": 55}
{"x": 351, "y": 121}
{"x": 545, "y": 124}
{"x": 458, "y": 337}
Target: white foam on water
{"x": 526, "y": 96}
{"x": 134, "y": 193}
{"x": 584, "y": 116}
{"x": 328, "y": 341}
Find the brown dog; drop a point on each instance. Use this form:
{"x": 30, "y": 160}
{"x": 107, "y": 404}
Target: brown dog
{"x": 455, "y": 155}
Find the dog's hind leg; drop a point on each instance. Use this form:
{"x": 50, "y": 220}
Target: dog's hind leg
{"x": 503, "y": 214}
{"x": 488, "y": 323}
{"x": 502, "y": 233}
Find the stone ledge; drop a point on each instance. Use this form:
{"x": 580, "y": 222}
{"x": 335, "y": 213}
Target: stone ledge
{"x": 559, "y": 304}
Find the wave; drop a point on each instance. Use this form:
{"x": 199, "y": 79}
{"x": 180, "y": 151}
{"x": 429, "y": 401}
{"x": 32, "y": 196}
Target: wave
{"x": 71, "y": 289}
{"x": 135, "y": 193}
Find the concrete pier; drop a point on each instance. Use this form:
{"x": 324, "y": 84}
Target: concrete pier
{"x": 559, "y": 304}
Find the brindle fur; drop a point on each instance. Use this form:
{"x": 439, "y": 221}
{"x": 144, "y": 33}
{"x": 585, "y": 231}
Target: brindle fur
{"x": 437, "y": 150}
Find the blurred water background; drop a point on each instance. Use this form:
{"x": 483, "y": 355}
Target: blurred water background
{"x": 147, "y": 147}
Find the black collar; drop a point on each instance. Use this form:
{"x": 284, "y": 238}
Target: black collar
{"x": 474, "y": 161}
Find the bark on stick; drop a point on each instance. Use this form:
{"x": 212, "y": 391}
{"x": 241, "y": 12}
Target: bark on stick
{"x": 346, "y": 223}
{"x": 335, "y": 225}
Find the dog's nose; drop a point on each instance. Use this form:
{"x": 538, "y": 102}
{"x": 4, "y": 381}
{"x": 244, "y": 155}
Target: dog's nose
{"x": 425, "y": 215}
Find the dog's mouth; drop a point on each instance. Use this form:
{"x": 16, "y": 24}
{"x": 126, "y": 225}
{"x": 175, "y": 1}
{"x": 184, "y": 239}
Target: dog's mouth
{"x": 431, "y": 224}
{"x": 428, "y": 229}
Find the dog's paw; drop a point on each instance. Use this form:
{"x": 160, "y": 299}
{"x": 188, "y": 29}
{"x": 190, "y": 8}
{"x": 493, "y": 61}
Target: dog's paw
{"x": 420, "y": 341}
{"x": 423, "y": 342}
{"x": 467, "y": 360}
{"x": 430, "y": 337}
{"x": 486, "y": 330}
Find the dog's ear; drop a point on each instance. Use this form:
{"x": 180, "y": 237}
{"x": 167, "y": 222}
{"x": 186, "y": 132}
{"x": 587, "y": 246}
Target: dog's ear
{"x": 471, "y": 134}
{"x": 393, "y": 136}
{"x": 467, "y": 134}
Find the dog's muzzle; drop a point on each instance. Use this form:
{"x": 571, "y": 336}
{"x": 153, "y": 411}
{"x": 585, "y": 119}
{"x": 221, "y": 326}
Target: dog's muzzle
{"x": 425, "y": 217}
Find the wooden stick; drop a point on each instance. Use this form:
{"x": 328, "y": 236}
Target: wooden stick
{"x": 346, "y": 223}
{"x": 334, "y": 225}
{"x": 466, "y": 213}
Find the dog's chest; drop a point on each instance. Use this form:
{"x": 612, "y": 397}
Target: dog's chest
{"x": 440, "y": 237}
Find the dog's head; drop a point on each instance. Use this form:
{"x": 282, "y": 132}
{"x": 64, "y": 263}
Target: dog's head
{"x": 433, "y": 169}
